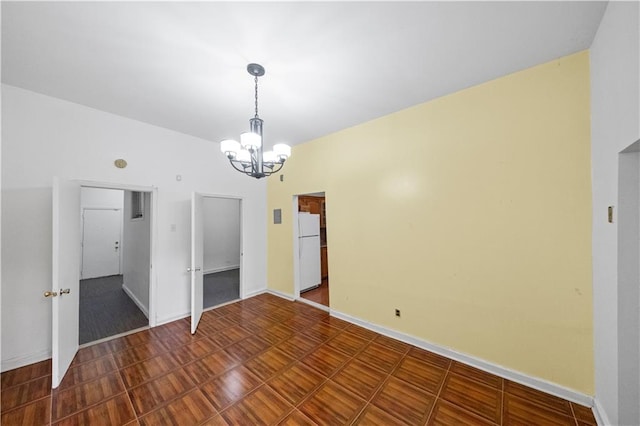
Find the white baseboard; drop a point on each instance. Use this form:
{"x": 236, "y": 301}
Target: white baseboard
{"x": 287, "y": 296}
{"x": 598, "y": 412}
{"x": 220, "y": 269}
{"x": 314, "y": 304}
{"x": 21, "y": 361}
{"x": 176, "y": 317}
{"x": 506, "y": 373}
{"x": 133, "y": 297}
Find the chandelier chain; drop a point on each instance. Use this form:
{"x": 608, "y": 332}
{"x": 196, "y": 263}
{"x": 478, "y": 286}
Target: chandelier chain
{"x": 256, "y": 81}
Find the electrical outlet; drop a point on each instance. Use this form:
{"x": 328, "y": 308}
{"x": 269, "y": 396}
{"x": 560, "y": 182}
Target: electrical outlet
{"x": 397, "y": 312}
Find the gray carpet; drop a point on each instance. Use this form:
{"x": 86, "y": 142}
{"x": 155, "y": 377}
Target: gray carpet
{"x": 221, "y": 287}
{"x": 106, "y": 310}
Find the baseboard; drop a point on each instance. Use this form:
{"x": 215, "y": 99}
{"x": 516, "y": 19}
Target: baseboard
{"x": 21, "y": 361}
{"x": 314, "y": 304}
{"x": 598, "y": 412}
{"x": 220, "y": 269}
{"x": 506, "y": 373}
{"x": 133, "y": 297}
{"x": 287, "y": 296}
{"x": 172, "y": 318}
{"x": 254, "y": 293}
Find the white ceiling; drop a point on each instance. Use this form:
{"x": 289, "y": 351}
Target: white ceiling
{"x": 330, "y": 65}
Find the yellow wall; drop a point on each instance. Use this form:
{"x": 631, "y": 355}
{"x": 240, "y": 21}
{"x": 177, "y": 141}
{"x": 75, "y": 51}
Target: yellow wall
{"x": 470, "y": 213}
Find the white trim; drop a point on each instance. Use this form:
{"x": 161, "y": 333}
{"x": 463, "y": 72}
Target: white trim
{"x": 137, "y": 301}
{"x": 221, "y": 269}
{"x": 255, "y": 293}
{"x": 314, "y": 304}
{"x": 21, "y": 361}
{"x": 287, "y": 296}
{"x": 506, "y": 373}
{"x": 598, "y": 412}
{"x": 172, "y": 318}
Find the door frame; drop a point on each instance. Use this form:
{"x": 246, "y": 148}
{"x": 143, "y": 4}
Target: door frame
{"x": 153, "y": 234}
{"x": 242, "y": 226}
{"x": 82, "y": 236}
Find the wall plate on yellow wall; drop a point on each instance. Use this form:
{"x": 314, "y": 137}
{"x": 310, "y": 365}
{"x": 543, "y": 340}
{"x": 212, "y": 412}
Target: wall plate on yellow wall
{"x": 120, "y": 163}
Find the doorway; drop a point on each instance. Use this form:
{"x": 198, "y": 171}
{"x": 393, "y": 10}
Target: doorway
{"x": 315, "y": 289}
{"x": 115, "y": 262}
{"x": 221, "y": 250}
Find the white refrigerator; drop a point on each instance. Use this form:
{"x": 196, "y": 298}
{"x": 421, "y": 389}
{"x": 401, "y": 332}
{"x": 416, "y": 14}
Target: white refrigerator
{"x": 309, "y": 250}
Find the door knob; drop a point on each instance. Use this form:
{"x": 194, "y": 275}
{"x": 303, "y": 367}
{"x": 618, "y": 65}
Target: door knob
{"x": 50, "y": 294}
{"x": 196, "y": 269}
{"x": 65, "y": 291}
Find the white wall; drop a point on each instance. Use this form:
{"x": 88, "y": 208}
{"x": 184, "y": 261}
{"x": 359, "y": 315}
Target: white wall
{"x": 43, "y": 137}
{"x": 221, "y": 220}
{"x": 101, "y": 198}
{"x": 615, "y": 124}
{"x": 136, "y": 253}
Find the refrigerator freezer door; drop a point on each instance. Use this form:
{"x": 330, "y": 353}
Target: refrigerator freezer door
{"x": 309, "y": 263}
{"x": 308, "y": 224}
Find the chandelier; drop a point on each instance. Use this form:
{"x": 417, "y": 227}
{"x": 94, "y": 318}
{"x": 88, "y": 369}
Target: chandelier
{"x": 248, "y": 156}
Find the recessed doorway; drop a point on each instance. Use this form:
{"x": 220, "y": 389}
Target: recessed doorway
{"x": 311, "y": 208}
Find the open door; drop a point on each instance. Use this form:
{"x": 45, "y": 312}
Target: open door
{"x": 197, "y": 259}
{"x": 66, "y": 276}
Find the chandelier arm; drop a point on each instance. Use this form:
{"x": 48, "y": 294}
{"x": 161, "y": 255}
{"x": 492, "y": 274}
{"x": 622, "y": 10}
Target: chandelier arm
{"x": 233, "y": 163}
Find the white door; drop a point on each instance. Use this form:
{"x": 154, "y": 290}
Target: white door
{"x": 65, "y": 279}
{"x": 197, "y": 259}
{"x": 101, "y": 242}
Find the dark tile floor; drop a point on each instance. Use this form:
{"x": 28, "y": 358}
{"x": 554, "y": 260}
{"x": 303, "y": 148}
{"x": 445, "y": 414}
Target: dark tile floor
{"x": 265, "y": 360}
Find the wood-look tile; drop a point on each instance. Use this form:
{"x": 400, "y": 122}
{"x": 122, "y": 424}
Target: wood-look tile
{"x": 228, "y": 309}
{"x": 380, "y": 357}
{"x": 154, "y": 393}
{"x": 35, "y": 413}
{"x": 269, "y": 363}
{"x": 139, "y": 373}
{"x": 537, "y": 397}
{"x": 296, "y": 383}
{"x": 297, "y": 346}
{"x": 77, "y": 398}
{"x": 326, "y": 360}
{"x": 214, "y": 326}
{"x": 473, "y": 396}
{"x": 336, "y": 322}
{"x": 141, "y": 337}
{"x": 92, "y": 352}
{"x": 348, "y": 343}
{"x": 114, "y": 411}
{"x": 299, "y": 323}
{"x": 25, "y": 393}
{"x": 247, "y": 348}
{"x": 430, "y": 357}
{"x": 216, "y": 420}
{"x": 394, "y": 344}
{"x": 230, "y": 387}
{"x": 230, "y": 335}
{"x": 361, "y": 332}
{"x": 446, "y": 414}
{"x": 583, "y": 414}
{"x": 189, "y": 409}
{"x": 24, "y": 374}
{"x": 211, "y": 366}
{"x": 194, "y": 350}
{"x": 321, "y": 331}
{"x": 360, "y": 378}
{"x": 421, "y": 374}
{"x": 404, "y": 401}
{"x": 296, "y": 418}
{"x": 275, "y": 334}
{"x": 88, "y": 371}
{"x": 138, "y": 353}
{"x": 262, "y": 407}
{"x": 332, "y": 404}
{"x": 476, "y": 374}
{"x": 518, "y": 411}
{"x": 373, "y": 416}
